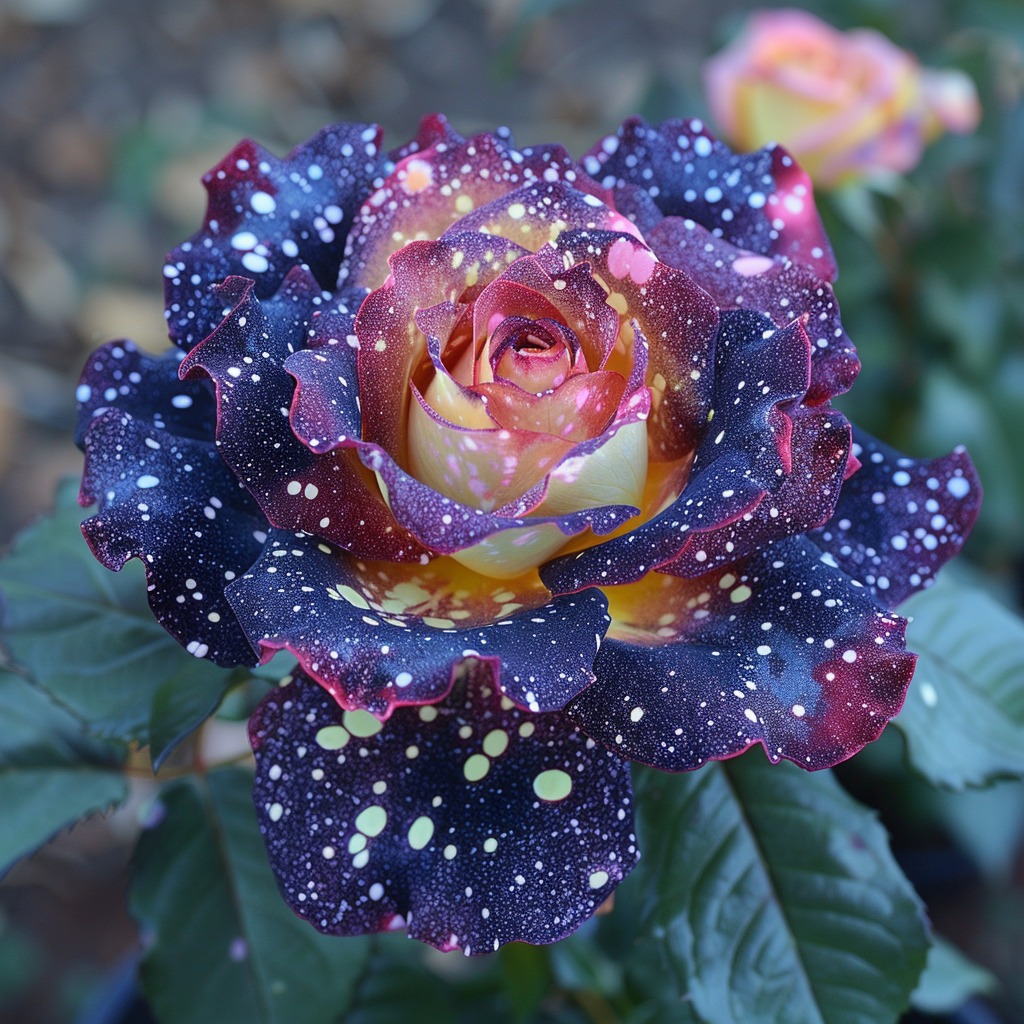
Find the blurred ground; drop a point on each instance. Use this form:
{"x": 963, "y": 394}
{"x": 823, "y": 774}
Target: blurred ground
{"x": 110, "y": 110}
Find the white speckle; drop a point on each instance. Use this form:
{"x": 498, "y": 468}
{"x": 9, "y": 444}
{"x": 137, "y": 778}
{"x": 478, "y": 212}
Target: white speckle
{"x": 147, "y": 480}
{"x": 263, "y": 202}
{"x": 376, "y": 891}
{"x": 958, "y": 486}
{"x": 255, "y": 263}
{"x": 244, "y": 240}
{"x": 799, "y": 710}
{"x": 928, "y": 694}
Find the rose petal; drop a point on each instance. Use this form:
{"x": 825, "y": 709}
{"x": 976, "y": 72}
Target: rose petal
{"x": 378, "y": 636}
{"x": 434, "y": 129}
{"x": 777, "y": 286}
{"x": 761, "y": 201}
{"x": 470, "y": 823}
{"x": 119, "y": 375}
{"x": 679, "y": 320}
{"x": 484, "y": 469}
{"x": 783, "y": 650}
{"x": 297, "y": 489}
{"x": 581, "y": 302}
{"x": 899, "y": 520}
{"x": 804, "y": 498}
{"x": 391, "y": 344}
{"x": 168, "y": 500}
{"x": 437, "y": 184}
{"x": 535, "y": 215}
{"x": 742, "y": 457}
{"x": 266, "y": 215}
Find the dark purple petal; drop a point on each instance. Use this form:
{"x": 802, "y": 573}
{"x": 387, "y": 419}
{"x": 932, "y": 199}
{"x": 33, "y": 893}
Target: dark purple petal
{"x": 119, "y": 375}
{"x": 265, "y": 216}
{"x": 899, "y": 520}
{"x": 322, "y": 605}
{"x": 781, "y": 288}
{"x": 804, "y": 498}
{"x": 297, "y": 488}
{"x": 469, "y": 823}
{"x": 783, "y": 650}
{"x": 169, "y": 501}
{"x": 743, "y": 456}
{"x": 761, "y": 202}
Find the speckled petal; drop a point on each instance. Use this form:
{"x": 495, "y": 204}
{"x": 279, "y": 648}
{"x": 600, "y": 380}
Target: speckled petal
{"x": 782, "y": 649}
{"x": 899, "y": 520}
{"x": 391, "y": 344}
{"x": 169, "y": 501}
{"x": 535, "y": 215}
{"x": 444, "y": 179}
{"x": 328, "y": 494}
{"x": 761, "y": 202}
{"x": 743, "y": 456}
{"x": 469, "y": 824}
{"x": 776, "y": 285}
{"x": 506, "y": 540}
{"x": 804, "y": 498}
{"x": 119, "y": 375}
{"x": 378, "y": 636}
{"x": 265, "y": 216}
{"x": 677, "y": 318}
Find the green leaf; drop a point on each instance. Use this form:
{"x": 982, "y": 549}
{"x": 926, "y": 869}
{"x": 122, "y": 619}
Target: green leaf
{"x": 949, "y": 980}
{"x": 526, "y": 979}
{"x": 222, "y": 944}
{"x": 964, "y": 714}
{"x": 87, "y": 635}
{"x": 772, "y": 895}
{"x": 51, "y": 772}
{"x": 580, "y": 964}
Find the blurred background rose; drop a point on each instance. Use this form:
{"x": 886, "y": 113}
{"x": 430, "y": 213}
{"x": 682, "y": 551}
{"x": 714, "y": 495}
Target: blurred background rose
{"x": 846, "y": 104}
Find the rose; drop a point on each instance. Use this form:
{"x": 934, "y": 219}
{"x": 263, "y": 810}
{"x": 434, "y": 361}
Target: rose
{"x": 848, "y": 104}
{"x": 532, "y": 466}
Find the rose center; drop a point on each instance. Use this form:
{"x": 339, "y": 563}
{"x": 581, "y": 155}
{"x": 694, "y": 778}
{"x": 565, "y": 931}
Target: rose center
{"x": 535, "y": 355}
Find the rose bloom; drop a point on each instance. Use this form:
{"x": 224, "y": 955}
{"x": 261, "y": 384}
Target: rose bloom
{"x": 847, "y": 104}
{"x": 531, "y": 464}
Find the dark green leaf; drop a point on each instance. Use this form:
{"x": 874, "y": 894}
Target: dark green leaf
{"x": 580, "y": 964}
{"x": 51, "y": 772}
{"x": 772, "y": 895}
{"x": 526, "y": 979}
{"x": 400, "y": 991}
{"x": 949, "y": 980}
{"x": 87, "y": 635}
{"x": 964, "y": 714}
{"x": 223, "y": 946}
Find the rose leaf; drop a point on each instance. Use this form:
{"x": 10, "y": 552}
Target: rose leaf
{"x": 771, "y": 895}
{"x": 224, "y": 946}
{"x": 964, "y": 714}
{"x": 87, "y": 636}
{"x": 949, "y": 980}
{"x": 51, "y": 772}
